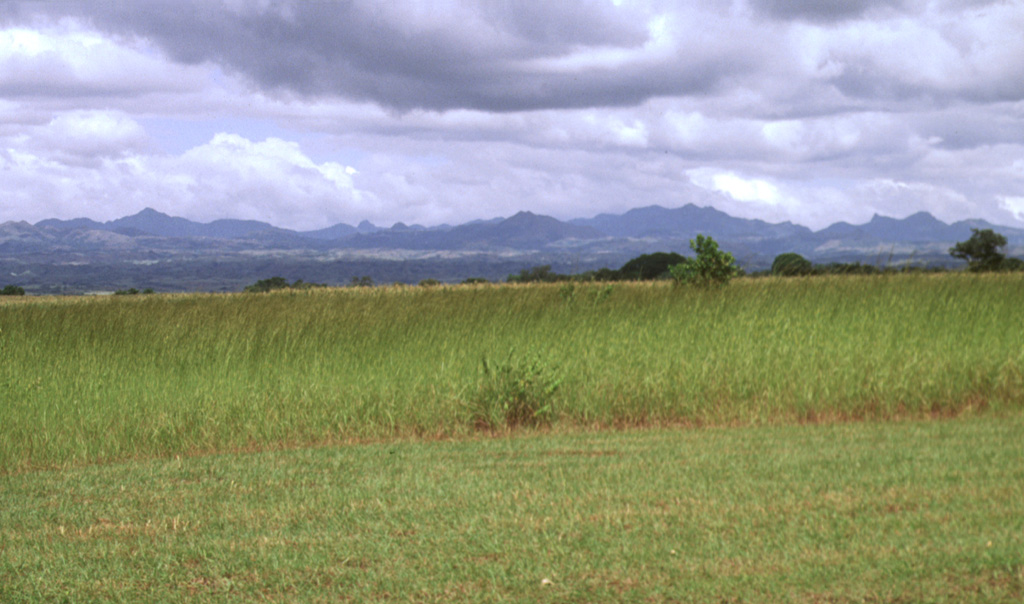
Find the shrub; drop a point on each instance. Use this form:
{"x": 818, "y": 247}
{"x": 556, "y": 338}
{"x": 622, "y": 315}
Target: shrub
{"x": 789, "y": 265}
{"x": 276, "y": 283}
{"x": 568, "y": 291}
{"x": 131, "y": 291}
{"x": 711, "y": 266}
{"x": 537, "y": 274}
{"x": 605, "y": 274}
{"x": 12, "y": 290}
{"x": 591, "y": 293}
{"x": 517, "y": 392}
{"x": 429, "y": 283}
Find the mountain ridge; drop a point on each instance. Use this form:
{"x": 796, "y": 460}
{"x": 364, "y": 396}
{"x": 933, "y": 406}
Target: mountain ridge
{"x": 653, "y": 221}
{"x": 605, "y": 238}
{"x": 168, "y": 253}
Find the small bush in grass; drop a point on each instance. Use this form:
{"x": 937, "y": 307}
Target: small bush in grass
{"x": 516, "y": 392}
{"x": 711, "y": 266}
{"x": 537, "y": 274}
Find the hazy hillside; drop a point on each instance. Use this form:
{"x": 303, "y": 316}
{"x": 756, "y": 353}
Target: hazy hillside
{"x": 153, "y": 249}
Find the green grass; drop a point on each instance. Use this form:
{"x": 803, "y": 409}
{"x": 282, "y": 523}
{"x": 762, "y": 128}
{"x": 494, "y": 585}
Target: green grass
{"x": 907, "y": 511}
{"x": 100, "y": 379}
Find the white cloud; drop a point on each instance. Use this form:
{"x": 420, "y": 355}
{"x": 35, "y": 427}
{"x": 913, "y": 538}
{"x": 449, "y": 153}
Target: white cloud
{"x": 972, "y": 52}
{"x": 813, "y": 138}
{"x": 229, "y": 177}
{"x": 69, "y": 60}
{"x": 90, "y": 135}
{"x": 272, "y": 180}
{"x": 661, "y": 45}
{"x": 1014, "y": 205}
{"x": 756, "y": 190}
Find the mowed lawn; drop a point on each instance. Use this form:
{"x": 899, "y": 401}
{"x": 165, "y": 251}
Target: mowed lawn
{"x": 905, "y": 511}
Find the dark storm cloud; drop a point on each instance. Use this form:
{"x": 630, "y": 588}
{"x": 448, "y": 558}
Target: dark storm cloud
{"x": 970, "y": 128}
{"x": 820, "y": 10}
{"x": 494, "y": 56}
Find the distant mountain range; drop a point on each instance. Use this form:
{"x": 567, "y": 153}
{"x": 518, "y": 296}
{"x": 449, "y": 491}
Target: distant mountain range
{"x": 604, "y": 240}
{"x": 524, "y": 231}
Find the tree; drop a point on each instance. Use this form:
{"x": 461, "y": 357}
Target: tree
{"x": 274, "y": 283}
{"x": 791, "y": 264}
{"x": 266, "y": 285}
{"x": 981, "y": 251}
{"x": 1012, "y": 265}
{"x": 537, "y": 274}
{"x": 711, "y": 266}
{"x": 650, "y": 266}
{"x": 300, "y": 284}
{"x": 12, "y": 290}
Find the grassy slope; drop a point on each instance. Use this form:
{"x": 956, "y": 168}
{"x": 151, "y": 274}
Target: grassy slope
{"x": 927, "y": 511}
{"x": 100, "y": 379}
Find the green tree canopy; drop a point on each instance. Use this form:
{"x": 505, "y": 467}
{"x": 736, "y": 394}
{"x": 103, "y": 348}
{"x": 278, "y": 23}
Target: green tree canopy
{"x": 1012, "y": 265}
{"x": 711, "y": 266}
{"x": 791, "y": 264}
{"x": 650, "y": 266}
{"x": 537, "y": 274}
{"x": 274, "y": 283}
{"x": 981, "y": 251}
{"x": 266, "y": 285}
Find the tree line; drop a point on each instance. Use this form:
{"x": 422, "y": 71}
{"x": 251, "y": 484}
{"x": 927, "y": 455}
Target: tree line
{"x": 711, "y": 266}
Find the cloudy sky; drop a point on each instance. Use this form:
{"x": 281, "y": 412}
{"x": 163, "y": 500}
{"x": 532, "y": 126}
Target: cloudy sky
{"x": 306, "y": 114}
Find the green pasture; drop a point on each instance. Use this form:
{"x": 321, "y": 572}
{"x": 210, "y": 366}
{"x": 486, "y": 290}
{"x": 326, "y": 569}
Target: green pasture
{"x": 896, "y": 511}
{"x": 101, "y": 379}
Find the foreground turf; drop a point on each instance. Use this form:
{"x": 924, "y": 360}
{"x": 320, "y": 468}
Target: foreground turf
{"x": 866, "y": 512}
{"x": 98, "y": 379}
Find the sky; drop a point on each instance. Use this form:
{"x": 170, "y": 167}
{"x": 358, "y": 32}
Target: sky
{"x": 306, "y": 114}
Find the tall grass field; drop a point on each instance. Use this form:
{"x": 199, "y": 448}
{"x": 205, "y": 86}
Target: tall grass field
{"x": 85, "y": 380}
